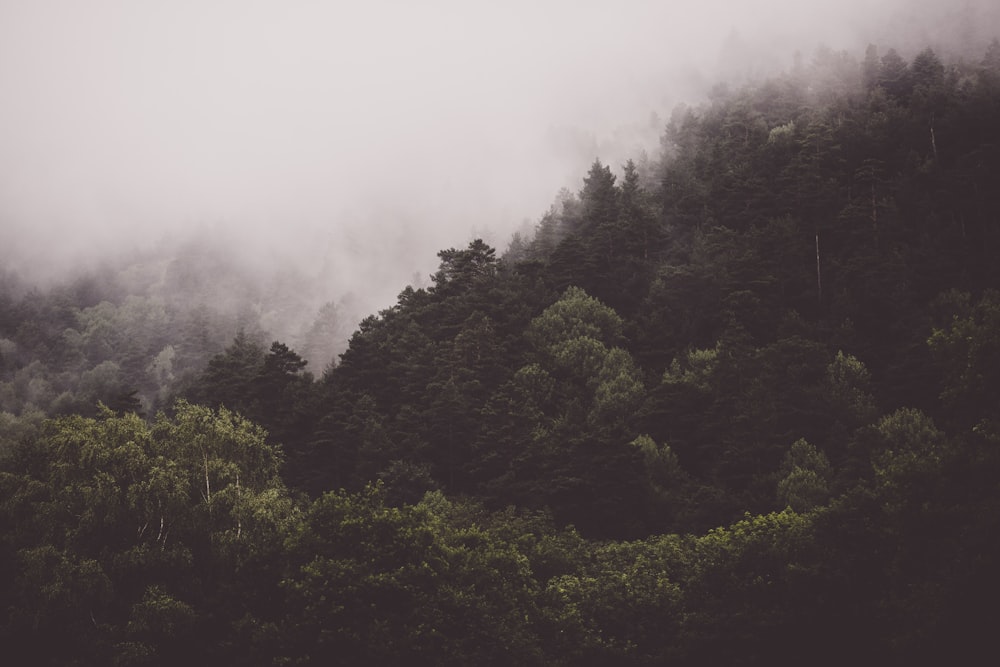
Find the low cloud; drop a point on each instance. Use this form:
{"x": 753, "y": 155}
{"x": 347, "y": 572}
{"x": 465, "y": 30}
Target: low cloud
{"x": 356, "y": 139}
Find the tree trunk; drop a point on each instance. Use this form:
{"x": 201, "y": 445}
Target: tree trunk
{"x": 208, "y": 486}
{"x": 819, "y": 279}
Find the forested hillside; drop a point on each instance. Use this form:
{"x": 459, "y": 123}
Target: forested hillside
{"x": 136, "y": 329}
{"x": 739, "y": 404}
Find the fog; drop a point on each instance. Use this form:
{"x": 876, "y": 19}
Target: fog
{"x": 357, "y": 139}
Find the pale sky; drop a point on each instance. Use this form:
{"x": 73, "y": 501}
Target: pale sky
{"x": 359, "y": 135}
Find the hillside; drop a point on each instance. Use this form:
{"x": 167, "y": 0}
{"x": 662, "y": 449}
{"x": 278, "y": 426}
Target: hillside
{"x": 736, "y": 404}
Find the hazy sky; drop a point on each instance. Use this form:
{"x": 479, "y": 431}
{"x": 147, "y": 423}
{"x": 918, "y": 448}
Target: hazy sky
{"x": 338, "y": 130}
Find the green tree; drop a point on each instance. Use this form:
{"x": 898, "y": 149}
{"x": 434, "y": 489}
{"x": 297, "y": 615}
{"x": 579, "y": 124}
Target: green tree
{"x": 805, "y": 477}
{"x": 908, "y": 452}
{"x": 848, "y": 386}
{"x": 461, "y": 269}
{"x": 397, "y": 585}
{"x": 638, "y": 219}
{"x": 229, "y": 378}
{"x": 141, "y": 541}
{"x": 967, "y": 351}
{"x": 575, "y": 458}
{"x": 599, "y": 200}
{"x": 575, "y": 315}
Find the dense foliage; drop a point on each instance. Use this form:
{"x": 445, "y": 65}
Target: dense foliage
{"x": 738, "y": 405}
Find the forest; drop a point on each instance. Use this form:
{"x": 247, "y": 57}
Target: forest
{"x": 737, "y": 404}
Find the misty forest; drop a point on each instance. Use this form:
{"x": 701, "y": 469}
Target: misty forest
{"x": 737, "y": 402}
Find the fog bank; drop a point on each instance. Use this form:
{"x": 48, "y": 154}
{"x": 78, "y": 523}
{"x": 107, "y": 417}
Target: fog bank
{"x": 357, "y": 139}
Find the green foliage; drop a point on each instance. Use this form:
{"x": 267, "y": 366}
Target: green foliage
{"x": 908, "y": 454}
{"x": 968, "y": 352}
{"x": 157, "y": 620}
{"x": 575, "y": 315}
{"x": 661, "y": 463}
{"x": 619, "y": 388}
{"x": 127, "y": 534}
{"x": 619, "y": 392}
{"x": 806, "y": 474}
{"x": 848, "y": 384}
{"x": 374, "y": 582}
{"x": 460, "y": 269}
{"x": 695, "y": 370}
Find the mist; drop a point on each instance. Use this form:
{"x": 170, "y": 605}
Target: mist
{"x": 354, "y": 140}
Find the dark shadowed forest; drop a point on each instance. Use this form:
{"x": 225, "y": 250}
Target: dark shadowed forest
{"x": 737, "y": 404}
